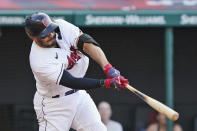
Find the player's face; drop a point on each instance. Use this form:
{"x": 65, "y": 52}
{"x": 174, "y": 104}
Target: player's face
{"x": 48, "y": 41}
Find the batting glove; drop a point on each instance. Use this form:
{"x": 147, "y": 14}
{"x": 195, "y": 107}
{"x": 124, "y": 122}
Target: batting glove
{"x": 116, "y": 83}
{"x": 110, "y": 71}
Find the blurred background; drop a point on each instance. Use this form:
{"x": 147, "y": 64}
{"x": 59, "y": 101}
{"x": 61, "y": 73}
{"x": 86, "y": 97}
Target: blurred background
{"x": 152, "y": 42}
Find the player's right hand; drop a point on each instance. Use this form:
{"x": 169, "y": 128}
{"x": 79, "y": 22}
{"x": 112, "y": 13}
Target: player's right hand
{"x": 110, "y": 71}
{"x": 116, "y": 83}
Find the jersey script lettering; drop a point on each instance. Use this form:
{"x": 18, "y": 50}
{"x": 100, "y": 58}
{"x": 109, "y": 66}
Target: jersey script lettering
{"x": 73, "y": 58}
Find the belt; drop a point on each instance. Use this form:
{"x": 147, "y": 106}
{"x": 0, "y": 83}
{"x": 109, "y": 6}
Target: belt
{"x": 66, "y": 93}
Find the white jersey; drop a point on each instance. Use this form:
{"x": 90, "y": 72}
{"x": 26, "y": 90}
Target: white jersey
{"x": 48, "y": 64}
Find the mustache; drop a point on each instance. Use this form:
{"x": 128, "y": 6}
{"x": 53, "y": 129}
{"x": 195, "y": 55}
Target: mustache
{"x": 54, "y": 37}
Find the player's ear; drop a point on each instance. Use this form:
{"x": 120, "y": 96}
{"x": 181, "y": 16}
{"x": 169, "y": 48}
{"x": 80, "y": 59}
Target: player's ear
{"x": 31, "y": 37}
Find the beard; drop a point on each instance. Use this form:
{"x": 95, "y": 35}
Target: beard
{"x": 46, "y": 45}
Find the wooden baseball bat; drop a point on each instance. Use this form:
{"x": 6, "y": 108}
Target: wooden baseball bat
{"x": 167, "y": 111}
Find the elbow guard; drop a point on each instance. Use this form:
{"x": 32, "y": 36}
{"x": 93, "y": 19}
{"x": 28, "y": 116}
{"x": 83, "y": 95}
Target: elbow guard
{"x": 85, "y": 38}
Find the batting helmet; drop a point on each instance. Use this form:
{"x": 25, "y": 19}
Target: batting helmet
{"x": 39, "y": 25}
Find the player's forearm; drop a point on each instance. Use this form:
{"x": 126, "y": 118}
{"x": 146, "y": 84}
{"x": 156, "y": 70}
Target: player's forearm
{"x": 80, "y": 83}
{"x": 88, "y": 83}
{"x": 96, "y": 54}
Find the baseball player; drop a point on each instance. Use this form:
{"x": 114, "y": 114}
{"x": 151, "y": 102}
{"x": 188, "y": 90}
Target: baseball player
{"x": 59, "y": 66}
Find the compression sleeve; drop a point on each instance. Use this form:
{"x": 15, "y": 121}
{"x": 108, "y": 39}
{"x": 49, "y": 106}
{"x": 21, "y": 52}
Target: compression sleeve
{"x": 80, "y": 83}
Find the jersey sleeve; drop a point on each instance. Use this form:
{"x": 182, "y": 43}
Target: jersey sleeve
{"x": 49, "y": 74}
{"x": 69, "y": 32}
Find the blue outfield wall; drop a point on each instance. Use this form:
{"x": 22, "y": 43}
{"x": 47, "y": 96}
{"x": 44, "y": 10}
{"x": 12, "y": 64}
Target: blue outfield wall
{"x": 144, "y": 18}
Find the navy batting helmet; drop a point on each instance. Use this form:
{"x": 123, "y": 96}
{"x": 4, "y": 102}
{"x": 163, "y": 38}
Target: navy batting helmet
{"x": 39, "y": 25}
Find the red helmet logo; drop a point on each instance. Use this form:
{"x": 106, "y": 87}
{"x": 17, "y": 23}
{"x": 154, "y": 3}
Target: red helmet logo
{"x": 45, "y": 21}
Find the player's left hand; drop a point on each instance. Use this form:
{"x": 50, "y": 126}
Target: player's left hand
{"x": 116, "y": 82}
{"x": 110, "y": 71}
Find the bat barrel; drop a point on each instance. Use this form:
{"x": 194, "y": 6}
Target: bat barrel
{"x": 175, "y": 116}
{"x": 155, "y": 104}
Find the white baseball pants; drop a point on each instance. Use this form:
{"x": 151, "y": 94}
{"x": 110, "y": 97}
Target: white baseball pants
{"x": 76, "y": 110}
